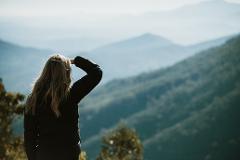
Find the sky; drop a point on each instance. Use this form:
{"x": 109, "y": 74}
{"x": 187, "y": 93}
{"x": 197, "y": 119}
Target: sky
{"x": 66, "y": 7}
{"x": 87, "y": 24}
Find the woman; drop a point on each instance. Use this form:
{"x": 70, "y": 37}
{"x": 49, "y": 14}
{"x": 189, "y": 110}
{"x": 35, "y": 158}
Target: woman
{"x": 51, "y": 117}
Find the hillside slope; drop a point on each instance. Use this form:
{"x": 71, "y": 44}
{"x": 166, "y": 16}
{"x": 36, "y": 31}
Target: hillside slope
{"x": 187, "y": 111}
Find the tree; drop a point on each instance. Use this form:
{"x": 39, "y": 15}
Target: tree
{"x": 83, "y": 155}
{"x": 11, "y": 146}
{"x": 121, "y": 144}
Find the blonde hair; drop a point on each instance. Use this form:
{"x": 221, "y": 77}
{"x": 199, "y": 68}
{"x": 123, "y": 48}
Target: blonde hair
{"x": 53, "y": 82}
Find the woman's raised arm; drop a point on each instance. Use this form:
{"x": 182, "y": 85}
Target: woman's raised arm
{"x": 83, "y": 86}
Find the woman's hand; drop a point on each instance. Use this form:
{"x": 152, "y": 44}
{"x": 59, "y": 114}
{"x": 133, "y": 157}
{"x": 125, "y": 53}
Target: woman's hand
{"x": 72, "y": 61}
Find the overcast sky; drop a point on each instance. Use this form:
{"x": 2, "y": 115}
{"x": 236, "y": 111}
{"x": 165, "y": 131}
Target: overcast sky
{"x": 92, "y": 23}
{"x": 65, "y": 7}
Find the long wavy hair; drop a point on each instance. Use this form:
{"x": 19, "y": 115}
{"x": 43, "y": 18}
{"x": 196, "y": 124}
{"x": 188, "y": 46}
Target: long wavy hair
{"x": 53, "y": 83}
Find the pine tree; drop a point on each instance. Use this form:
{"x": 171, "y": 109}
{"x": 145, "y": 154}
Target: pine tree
{"x": 122, "y": 143}
{"x": 11, "y": 147}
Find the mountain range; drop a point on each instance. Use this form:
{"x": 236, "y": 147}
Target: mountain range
{"x": 186, "y": 111}
{"x": 19, "y": 66}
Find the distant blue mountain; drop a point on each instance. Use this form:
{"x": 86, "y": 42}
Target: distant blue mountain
{"x": 143, "y": 53}
{"x": 145, "y": 40}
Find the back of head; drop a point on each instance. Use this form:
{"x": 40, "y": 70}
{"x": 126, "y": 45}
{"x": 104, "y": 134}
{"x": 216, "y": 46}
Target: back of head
{"x": 53, "y": 83}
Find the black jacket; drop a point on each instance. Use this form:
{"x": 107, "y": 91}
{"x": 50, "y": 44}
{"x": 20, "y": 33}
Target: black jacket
{"x": 44, "y": 129}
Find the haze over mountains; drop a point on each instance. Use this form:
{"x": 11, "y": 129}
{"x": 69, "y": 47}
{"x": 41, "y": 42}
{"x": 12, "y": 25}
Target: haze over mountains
{"x": 69, "y": 33}
{"x": 19, "y": 66}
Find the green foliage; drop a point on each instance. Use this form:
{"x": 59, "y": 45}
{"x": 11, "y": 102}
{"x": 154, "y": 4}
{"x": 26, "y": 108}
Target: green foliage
{"x": 122, "y": 143}
{"x": 11, "y": 147}
{"x": 83, "y": 156}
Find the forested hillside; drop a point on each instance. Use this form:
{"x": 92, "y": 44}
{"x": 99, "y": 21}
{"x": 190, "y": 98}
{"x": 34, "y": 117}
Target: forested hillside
{"x": 187, "y": 111}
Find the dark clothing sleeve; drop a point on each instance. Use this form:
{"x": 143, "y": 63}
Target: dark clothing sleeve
{"x": 30, "y": 136}
{"x": 84, "y": 85}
